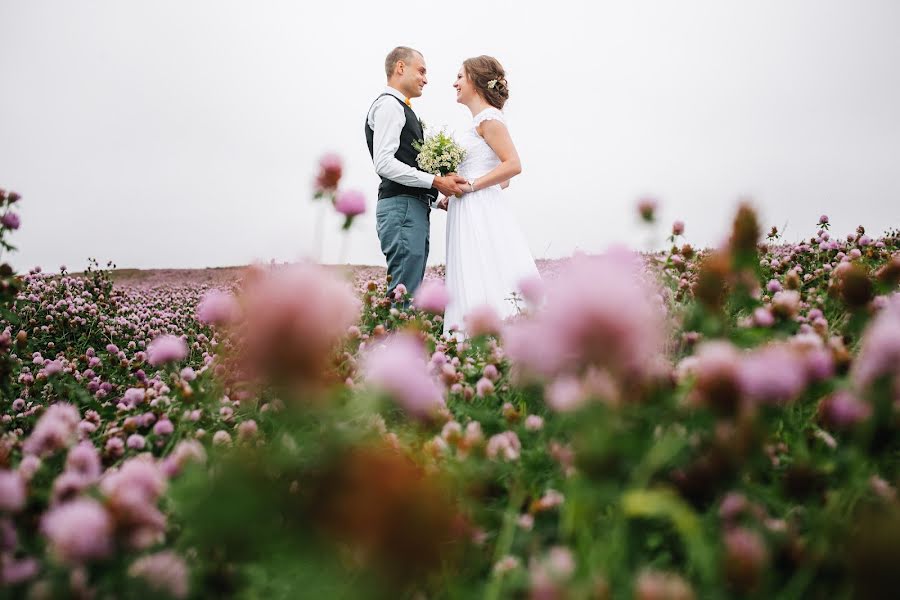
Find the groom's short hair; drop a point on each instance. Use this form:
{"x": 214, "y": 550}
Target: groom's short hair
{"x": 399, "y": 53}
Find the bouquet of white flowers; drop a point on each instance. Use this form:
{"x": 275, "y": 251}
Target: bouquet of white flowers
{"x": 439, "y": 154}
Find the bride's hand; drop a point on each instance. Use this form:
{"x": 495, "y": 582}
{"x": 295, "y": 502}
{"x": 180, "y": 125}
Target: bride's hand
{"x": 443, "y": 203}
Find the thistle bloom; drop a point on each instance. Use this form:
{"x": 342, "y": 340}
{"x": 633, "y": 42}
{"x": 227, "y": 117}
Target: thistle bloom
{"x": 166, "y": 349}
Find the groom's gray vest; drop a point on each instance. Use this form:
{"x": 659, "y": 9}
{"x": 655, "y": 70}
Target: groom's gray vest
{"x": 411, "y": 133}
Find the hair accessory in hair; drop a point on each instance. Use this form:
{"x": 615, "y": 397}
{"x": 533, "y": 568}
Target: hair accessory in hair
{"x": 491, "y": 84}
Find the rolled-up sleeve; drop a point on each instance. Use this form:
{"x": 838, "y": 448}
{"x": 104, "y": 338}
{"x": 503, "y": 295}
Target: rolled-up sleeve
{"x": 387, "y": 119}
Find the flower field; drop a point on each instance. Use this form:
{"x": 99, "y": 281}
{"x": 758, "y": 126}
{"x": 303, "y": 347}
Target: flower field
{"x": 695, "y": 423}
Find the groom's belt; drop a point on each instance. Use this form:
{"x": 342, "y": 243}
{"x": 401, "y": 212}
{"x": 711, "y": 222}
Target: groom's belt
{"x": 425, "y": 195}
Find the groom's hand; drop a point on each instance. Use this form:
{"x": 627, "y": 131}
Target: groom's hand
{"x": 449, "y": 185}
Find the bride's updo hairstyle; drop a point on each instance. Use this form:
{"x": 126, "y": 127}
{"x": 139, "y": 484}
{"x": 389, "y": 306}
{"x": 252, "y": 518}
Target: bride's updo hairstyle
{"x": 487, "y": 75}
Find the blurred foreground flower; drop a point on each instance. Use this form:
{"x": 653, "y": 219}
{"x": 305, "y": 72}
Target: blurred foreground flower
{"x": 601, "y": 312}
{"x": 292, "y": 319}
{"x": 398, "y": 367}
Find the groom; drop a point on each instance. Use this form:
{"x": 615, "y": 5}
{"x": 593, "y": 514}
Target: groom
{"x": 406, "y": 194}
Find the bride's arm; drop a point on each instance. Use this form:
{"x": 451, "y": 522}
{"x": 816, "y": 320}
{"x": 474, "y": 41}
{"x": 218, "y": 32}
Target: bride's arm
{"x": 504, "y": 185}
{"x": 497, "y": 137}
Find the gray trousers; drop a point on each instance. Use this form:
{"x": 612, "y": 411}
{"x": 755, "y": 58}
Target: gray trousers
{"x": 404, "y": 224}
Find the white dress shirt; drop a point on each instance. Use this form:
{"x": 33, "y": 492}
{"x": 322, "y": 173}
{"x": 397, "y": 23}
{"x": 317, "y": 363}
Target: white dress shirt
{"x": 387, "y": 118}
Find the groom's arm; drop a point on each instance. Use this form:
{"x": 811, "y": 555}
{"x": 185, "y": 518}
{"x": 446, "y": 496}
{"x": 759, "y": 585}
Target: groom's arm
{"x": 388, "y": 118}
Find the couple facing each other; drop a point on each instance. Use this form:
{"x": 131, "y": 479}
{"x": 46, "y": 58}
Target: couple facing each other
{"x": 487, "y": 254}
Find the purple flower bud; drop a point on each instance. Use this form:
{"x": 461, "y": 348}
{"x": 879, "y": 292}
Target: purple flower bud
{"x": 10, "y": 220}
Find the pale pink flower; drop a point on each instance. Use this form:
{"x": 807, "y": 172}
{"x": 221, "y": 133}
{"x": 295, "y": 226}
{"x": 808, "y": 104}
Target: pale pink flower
{"x": 561, "y": 562}
{"x": 53, "y": 367}
{"x": 534, "y": 423}
{"x": 12, "y": 491}
{"x": 68, "y": 485}
{"x": 490, "y": 371}
{"x": 786, "y": 303}
{"x": 482, "y": 320}
{"x": 166, "y": 349}
{"x": 733, "y": 505}
{"x": 484, "y": 387}
{"x": 843, "y": 410}
{"x": 16, "y": 571}
{"x": 294, "y": 317}
{"x": 879, "y": 353}
{"x": 432, "y": 297}
{"x": 763, "y": 317}
{"x": 29, "y": 466}
{"x": 350, "y": 203}
{"x": 772, "y": 375}
{"x": 221, "y": 438}
{"x": 78, "y": 531}
{"x": 678, "y": 228}
{"x": 533, "y": 290}
{"x": 134, "y": 396}
{"x": 115, "y": 446}
{"x": 132, "y": 493}
{"x": 163, "y": 427}
{"x": 506, "y": 564}
{"x": 136, "y": 441}
{"x": 746, "y": 554}
{"x": 659, "y": 585}
{"x": 551, "y": 499}
{"x": 600, "y": 312}
{"x": 217, "y": 308}
{"x": 84, "y": 460}
{"x": 164, "y": 572}
{"x": 504, "y": 446}
{"x": 247, "y": 430}
{"x": 565, "y": 394}
{"x": 185, "y": 452}
{"x": 398, "y": 367}
{"x": 525, "y": 522}
{"x": 54, "y": 430}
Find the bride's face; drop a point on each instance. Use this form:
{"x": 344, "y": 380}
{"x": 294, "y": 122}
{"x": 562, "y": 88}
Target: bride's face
{"x": 465, "y": 91}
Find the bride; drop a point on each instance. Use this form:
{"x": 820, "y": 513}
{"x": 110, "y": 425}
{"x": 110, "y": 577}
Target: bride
{"x": 487, "y": 255}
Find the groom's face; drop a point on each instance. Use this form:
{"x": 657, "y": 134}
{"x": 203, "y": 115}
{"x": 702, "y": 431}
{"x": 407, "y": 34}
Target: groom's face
{"x": 413, "y": 76}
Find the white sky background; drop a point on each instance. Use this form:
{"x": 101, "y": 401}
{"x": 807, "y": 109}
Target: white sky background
{"x": 185, "y": 133}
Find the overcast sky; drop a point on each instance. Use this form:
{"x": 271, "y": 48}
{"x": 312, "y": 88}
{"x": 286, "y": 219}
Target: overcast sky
{"x": 184, "y": 133}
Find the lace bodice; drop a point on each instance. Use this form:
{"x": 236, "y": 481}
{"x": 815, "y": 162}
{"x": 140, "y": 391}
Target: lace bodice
{"x": 480, "y": 158}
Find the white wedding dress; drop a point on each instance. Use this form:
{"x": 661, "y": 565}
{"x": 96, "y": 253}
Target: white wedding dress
{"x": 487, "y": 254}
